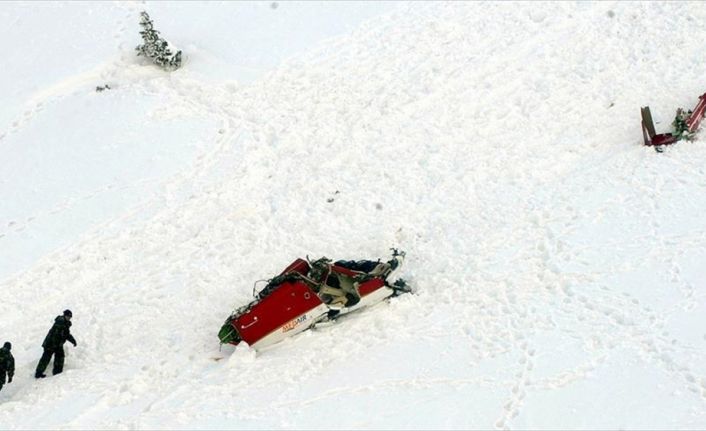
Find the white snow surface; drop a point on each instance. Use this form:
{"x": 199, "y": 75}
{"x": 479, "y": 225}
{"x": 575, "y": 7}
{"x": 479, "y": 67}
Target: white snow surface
{"x": 558, "y": 263}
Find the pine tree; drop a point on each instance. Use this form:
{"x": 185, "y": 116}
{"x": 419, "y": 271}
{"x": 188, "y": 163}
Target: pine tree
{"x": 155, "y": 47}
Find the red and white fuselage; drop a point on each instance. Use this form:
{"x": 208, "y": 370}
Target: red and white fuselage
{"x": 298, "y": 303}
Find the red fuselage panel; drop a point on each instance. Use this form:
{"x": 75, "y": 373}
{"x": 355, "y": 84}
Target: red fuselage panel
{"x": 288, "y": 301}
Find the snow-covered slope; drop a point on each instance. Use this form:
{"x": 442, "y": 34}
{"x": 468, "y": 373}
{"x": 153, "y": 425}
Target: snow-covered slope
{"x": 558, "y": 263}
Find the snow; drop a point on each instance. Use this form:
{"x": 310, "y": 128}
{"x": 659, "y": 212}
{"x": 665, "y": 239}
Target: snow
{"x": 557, "y": 262}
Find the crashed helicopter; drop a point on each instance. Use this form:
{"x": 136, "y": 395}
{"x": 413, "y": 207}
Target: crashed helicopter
{"x": 307, "y": 293}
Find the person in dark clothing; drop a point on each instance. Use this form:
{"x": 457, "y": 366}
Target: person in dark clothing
{"x": 54, "y": 345}
{"x": 7, "y": 364}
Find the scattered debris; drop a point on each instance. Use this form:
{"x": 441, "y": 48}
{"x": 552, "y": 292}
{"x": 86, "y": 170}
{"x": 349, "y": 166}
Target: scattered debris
{"x": 685, "y": 125}
{"x": 329, "y": 200}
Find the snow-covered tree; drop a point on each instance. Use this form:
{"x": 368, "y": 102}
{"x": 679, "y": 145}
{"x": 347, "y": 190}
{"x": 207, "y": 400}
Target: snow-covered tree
{"x": 155, "y": 47}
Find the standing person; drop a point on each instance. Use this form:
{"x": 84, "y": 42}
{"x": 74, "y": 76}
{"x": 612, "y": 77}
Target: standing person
{"x": 54, "y": 345}
{"x": 7, "y": 364}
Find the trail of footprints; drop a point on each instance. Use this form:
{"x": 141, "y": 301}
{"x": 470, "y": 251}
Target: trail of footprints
{"x": 511, "y": 408}
{"x": 618, "y": 318}
{"x": 8, "y": 227}
{"x": 22, "y": 120}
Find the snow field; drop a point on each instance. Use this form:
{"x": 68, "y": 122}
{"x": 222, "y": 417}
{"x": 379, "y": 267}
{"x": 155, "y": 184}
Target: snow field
{"x": 557, "y": 262}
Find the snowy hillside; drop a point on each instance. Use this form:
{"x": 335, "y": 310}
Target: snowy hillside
{"x": 558, "y": 263}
